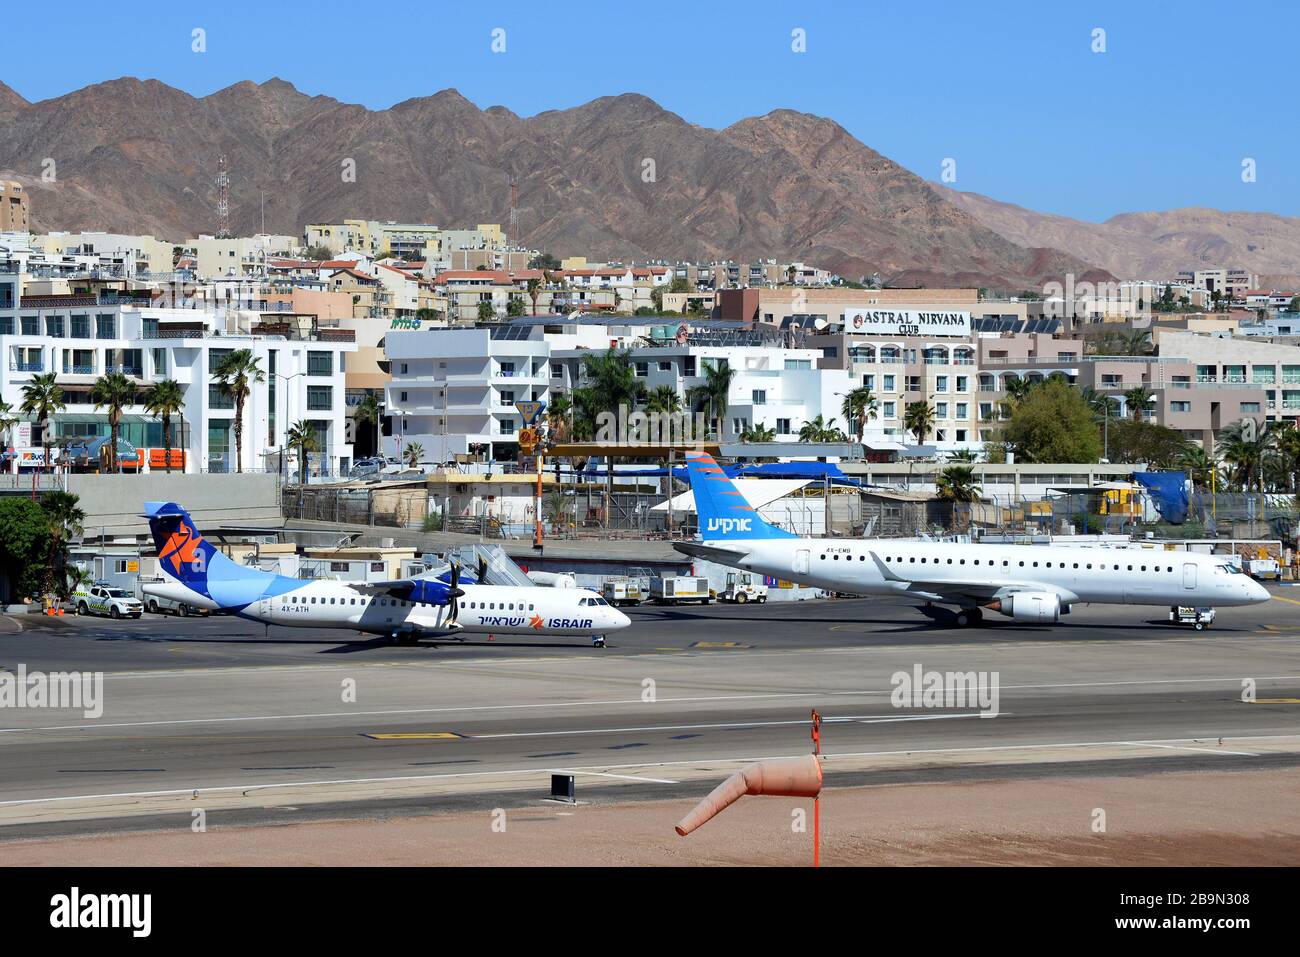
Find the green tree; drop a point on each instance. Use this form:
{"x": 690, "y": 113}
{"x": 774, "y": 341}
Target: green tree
{"x": 663, "y": 400}
{"x": 957, "y": 483}
{"x": 559, "y": 413}
{"x": 24, "y": 545}
{"x": 319, "y": 253}
{"x": 534, "y": 287}
{"x": 113, "y": 392}
{"x": 714, "y": 392}
{"x": 514, "y": 308}
{"x": 42, "y": 397}
{"x": 7, "y": 421}
{"x": 758, "y": 433}
{"x": 918, "y": 418}
{"x": 1133, "y": 441}
{"x": 413, "y": 452}
{"x": 163, "y": 400}
{"x": 859, "y": 407}
{"x": 235, "y": 374}
{"x": 544, "y": 261}
{"x": 610, "y": 381}
{"x": 1052, "y": 424}
{"x": 1198, "y": 464}
{"x": 1244, "y": 447}
{"x": 302, "y": 437}
{"x": 65, "y": 517}
{"x": 820, "y": 430}
{"x": 1138, "y": 400}
{"x": 486, "y": 311}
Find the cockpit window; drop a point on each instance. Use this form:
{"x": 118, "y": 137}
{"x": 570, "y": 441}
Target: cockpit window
{"x": 1230, "y": 569}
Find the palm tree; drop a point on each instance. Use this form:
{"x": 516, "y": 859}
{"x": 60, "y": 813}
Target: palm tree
{"x": 957, "y": 483}
{"x": 664, "y": 400}
{"x": 859, "y": 407}
{"x": 918, "y": 418}
{"x": 413, "y": 452}
{"x": 65, "y": 517}
{"x": 1135, "y": 342}
{"x": 1016, "y": 388}
{"x": 534, "y": 287}
{"x": 114, "y": 392}
{"x": 819, "y": 430}
{"x": 1138, "y": 400}
{"x": 714, "y": 392}
{"x": 1197, "y": 463}
{"x": 7, "y": 421}
{"x": 963, "y": 455}
{"x": 42, "y": 397}
{"x": 302, "y": 436}
{"x": 559, "y": 413}
{"x": 758, "y": 433}
{"x": 163, "y": 400}
{"x": 368, "y": 411}
{"x": 235, "y": 373}
{"x": 1287, "y": 444}
{"x": 1244, "y": 447}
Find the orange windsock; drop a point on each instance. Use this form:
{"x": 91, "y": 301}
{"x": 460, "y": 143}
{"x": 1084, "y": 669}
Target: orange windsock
{"x": 783, "y": 777}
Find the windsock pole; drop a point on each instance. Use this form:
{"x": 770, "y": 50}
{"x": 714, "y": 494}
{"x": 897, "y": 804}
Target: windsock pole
{"x": 817, "y": 799}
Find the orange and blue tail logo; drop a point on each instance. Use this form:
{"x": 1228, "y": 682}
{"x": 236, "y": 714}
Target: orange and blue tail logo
{"x": 723, "y": 512}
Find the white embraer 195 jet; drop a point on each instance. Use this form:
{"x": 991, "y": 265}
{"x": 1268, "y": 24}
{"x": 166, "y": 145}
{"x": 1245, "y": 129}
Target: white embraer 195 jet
{"x": 1035, "y": 583}
{"x": 405, "y": 610}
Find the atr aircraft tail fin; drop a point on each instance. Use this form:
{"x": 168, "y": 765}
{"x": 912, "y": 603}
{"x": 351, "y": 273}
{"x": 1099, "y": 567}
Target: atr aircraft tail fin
{"x": 186, "y": 557}
{"x": 723, "y": 512}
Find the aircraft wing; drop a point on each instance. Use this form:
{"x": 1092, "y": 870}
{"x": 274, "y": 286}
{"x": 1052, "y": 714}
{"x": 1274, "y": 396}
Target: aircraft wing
{"x": 723, "y": 554}
{"x": 962, "y": 591}
{"x": 431, "y": 591}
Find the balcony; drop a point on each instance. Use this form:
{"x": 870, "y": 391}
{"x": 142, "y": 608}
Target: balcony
{"x": 18, "y": 365}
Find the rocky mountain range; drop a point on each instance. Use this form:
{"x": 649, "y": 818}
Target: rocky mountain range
{"x": 616, "y": 178}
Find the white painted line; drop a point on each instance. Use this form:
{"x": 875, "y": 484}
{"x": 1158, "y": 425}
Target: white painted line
{"x": 605, "y": 768}
{"x": 623, "y": 777}
{"x": 1178, "y": 747}
{"x": 465, "y": 709}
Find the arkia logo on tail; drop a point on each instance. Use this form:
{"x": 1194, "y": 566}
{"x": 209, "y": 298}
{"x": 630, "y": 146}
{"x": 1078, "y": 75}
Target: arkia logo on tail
{"x": 182, "y": 547}
{"x": 728, "y": 526}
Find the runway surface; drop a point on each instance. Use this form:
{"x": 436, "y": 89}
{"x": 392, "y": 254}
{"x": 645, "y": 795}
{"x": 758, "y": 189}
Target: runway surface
{"x": 290, "y": 724}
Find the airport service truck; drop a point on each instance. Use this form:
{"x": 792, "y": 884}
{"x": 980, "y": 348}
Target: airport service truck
{"x": 743, "y": 587}
{"x": 675, "y": 589}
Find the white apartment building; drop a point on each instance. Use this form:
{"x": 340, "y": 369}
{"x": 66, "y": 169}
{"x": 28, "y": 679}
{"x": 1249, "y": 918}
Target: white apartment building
{"x": 80, "y": 338}
{"x": 237, "y": 256}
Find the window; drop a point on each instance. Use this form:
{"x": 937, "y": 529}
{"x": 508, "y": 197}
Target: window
{"x": 963, "y": 383}
{"x": 31, "y": 325}
{"x": 941, "y": 410}
{"x": 54, "y": 327}
{"x": 557, "y": 370}
{"x": 219, "y": 398}
{"x": 1249, "y": 407}
{"x": 320, "y": 363}
{"x": 889, "y": 383}
{"x": 888, "y": 410}
{"x": 215, "y": 356}
{"x": 642, "y": 369}
{"x": 941, "y": 383}
{"x": 1180, "y": 407}
{"x": 106, "y": 327}
{"x": 798, "y": 363}
{"x": 320, "y": 397}
{"x": 783, "y": 426}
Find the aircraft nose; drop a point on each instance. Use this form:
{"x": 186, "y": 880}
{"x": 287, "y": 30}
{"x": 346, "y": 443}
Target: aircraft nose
{"x": 1257, "y": 592}
{"x": 619, "y": 619}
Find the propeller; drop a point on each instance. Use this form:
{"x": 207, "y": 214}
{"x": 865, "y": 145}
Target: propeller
{"x": 454, "y": 593}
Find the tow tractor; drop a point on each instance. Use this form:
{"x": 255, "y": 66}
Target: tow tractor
{"x": 741, "y": 588}
{"x": 1199, "y": 617}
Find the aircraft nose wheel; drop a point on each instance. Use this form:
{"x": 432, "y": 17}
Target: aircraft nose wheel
{"x": 598, "y": 641}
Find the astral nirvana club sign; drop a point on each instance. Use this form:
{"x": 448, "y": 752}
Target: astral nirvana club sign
{"x": 907, "y": 322}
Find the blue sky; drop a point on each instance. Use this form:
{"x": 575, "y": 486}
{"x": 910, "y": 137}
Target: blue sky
{"x": 1011, "y": 91}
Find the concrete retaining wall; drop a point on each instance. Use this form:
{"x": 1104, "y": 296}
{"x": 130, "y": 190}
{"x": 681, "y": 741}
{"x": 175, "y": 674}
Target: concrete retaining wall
{"x": 113, "y": 503}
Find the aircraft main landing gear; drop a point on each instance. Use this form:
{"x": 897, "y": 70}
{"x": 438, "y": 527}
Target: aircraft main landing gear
{"x": 967, "y": 617}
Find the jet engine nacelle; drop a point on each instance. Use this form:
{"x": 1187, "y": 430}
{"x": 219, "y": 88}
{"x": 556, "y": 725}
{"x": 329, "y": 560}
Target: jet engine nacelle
{"x": 1030, "y": 606}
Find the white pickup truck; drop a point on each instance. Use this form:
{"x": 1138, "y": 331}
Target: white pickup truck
{"x": 102, "y": 598}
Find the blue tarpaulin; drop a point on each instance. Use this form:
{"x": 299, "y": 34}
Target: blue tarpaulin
{"x": 1168, "y": 491}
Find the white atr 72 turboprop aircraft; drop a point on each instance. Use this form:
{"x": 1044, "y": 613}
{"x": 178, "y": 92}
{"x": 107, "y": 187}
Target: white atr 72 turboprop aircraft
{"x": 1025, "y": 582}
{"x": 405, "y": 610}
